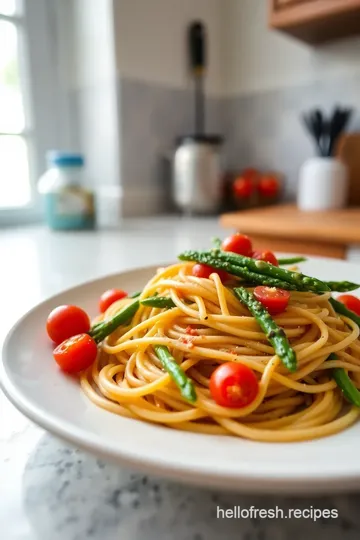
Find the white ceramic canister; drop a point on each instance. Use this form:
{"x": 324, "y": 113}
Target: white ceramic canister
{"x": 323, "y": 184}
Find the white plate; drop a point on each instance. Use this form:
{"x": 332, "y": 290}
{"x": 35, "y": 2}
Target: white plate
{"x": 33, "y": 383}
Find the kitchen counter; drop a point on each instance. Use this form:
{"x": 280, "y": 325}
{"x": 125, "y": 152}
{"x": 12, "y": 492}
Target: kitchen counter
{"x": 51, "y": 491}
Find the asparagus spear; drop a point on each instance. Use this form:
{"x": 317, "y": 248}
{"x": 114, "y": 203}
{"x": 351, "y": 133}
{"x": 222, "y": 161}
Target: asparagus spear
{"x": 262, "y": 268}
{"x": 273, "y": 332}
{"x": 346, "y": 385}
{"x": 343, "y": 310}
{"x": 251, "y": 277}
{"x": 101, "y": 330}
{"x": 291, "y": 260}
{"x": 135, "y": 294}
{"x": 342, "y": 286}
{"x": 182, "y": 381}
{"x": 158, "y": 302}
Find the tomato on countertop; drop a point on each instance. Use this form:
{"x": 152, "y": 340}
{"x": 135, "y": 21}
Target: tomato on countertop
{"x": 109, "y": 297}
{"x": 205, "y": 271}
{"x": 268, "y": 186}
{"x": 233, "y": 385}
{"x": 267, "y": 256}
{"x": 76, "y": 354}
{"x": 351, "y": 302}
{"x": 238, "y": 243}
{"x": 66, "y": 321}
{"x": 243, "y": 187}
{"x": 273, "y": 299}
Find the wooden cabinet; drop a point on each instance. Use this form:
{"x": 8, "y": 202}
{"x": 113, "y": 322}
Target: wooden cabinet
{"x": 315, "y": 21}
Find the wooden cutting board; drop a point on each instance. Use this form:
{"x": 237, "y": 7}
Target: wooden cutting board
{"x": 286, "y": 228}
{"x": 349, "y": 152}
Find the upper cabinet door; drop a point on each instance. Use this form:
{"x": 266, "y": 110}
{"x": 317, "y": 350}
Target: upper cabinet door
{"x": 315, "y": 21}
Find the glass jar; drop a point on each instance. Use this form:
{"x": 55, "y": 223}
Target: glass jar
{"x": 68, "y": 203}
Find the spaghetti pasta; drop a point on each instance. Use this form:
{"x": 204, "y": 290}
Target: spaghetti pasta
{"x": 209, "y": 326}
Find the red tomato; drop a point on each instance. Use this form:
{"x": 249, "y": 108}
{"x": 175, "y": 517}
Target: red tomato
{"x": 75, "y": 354}
{"x": 243, "y": 187}
{"x": 275, "y": 300}
{"x": 205, "y": 271}
{"x": 233, "y": 385}
{"x": 66, "y": 321}
{"x": 351, "y": 302}
{"x": 238, "y": 243}
{"x": 109, "y": 297}
{"x": 267, "y": 256}
{"x": 269, "y": 186}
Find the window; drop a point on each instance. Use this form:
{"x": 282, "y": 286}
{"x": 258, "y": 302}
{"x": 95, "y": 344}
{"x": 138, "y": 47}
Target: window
{"x": 28, "y": 93}
{"x": 15, "y": 188}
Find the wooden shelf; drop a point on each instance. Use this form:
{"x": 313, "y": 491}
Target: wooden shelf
{"x": 315, "y": 21}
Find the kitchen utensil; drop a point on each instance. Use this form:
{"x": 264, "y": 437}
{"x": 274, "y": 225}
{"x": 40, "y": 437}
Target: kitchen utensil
{"x": 197, "y": 161}
{"x": 326, "y": 131}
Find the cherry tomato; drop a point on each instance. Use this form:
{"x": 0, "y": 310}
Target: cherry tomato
{"x": 66, "y": 321}
{"x": 233, "y": 385}
{"x": 75, "y": 354}
{"x": 238, "y": 243}
{"x": 267, "y": 256}
{"x": 351, "y": 302}
{"x": 269, "y": 186}
{"x": 109, "y": 297}
{"x": 243, "y": 187}
{"x": 205, "y": 271}
{"x": 275, "y": 300}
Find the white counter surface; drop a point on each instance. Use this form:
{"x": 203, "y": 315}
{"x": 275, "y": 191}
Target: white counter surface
{"x": 50, "y": 491}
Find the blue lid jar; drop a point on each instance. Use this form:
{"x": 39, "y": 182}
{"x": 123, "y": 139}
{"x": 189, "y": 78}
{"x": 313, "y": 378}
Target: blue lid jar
{"x": 68, "y": 202}
{"x": 60, "y": 159}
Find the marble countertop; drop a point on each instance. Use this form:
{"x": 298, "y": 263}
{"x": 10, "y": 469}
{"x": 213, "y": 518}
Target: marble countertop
{"x": 51, "y": 491}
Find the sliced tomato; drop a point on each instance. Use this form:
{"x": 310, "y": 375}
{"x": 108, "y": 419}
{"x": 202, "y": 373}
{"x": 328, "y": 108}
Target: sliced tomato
{"x": 233, "y": 385}
{"x": 66, "y": 321}
{"x": 109, "y": 297}
{"x": 269, "y": 186}
{"x": 238, "y": 243}
{"x": 273, "y": 299}
{"x": 76, "y": 354}
{"x": 267, "y": 256}
{"x": 351, "y": 302}
{"x": 243, "y": 187}
{"x": 205, "y": 271}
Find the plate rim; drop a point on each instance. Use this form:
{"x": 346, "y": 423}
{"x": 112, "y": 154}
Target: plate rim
{"x": 183, "y": 472}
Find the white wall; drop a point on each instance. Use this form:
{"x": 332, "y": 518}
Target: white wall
{"x": 259, "y": 59}
{"x": 150, "y": 40}
{"x": 94, "y": 77}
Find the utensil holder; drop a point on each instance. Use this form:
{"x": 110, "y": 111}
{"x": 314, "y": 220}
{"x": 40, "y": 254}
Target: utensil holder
{"x": 323, "y": 184}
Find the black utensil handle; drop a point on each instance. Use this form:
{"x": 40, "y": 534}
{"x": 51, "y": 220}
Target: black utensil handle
{"x": 197, "y": 47}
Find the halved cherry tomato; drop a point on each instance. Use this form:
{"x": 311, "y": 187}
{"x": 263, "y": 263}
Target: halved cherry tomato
{"x": 75, "y": 354}
{"x": 351, "y": 302}
{"x": 238, "y": 243}
{"x": 269, "y": 186}
{"x": 243, "y": 187}
{"x": 66, "y": 321}
{"x": 109, "y": 297}
{"x": 267, "y": 256}
{"x": 273, "y": 299}
{"x": 205, "y": 271}
{"x": 233, "y": 385}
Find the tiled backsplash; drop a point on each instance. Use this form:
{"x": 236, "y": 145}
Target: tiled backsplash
{"x": 151, "y": 118}
{"x": 261, "y": 129}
